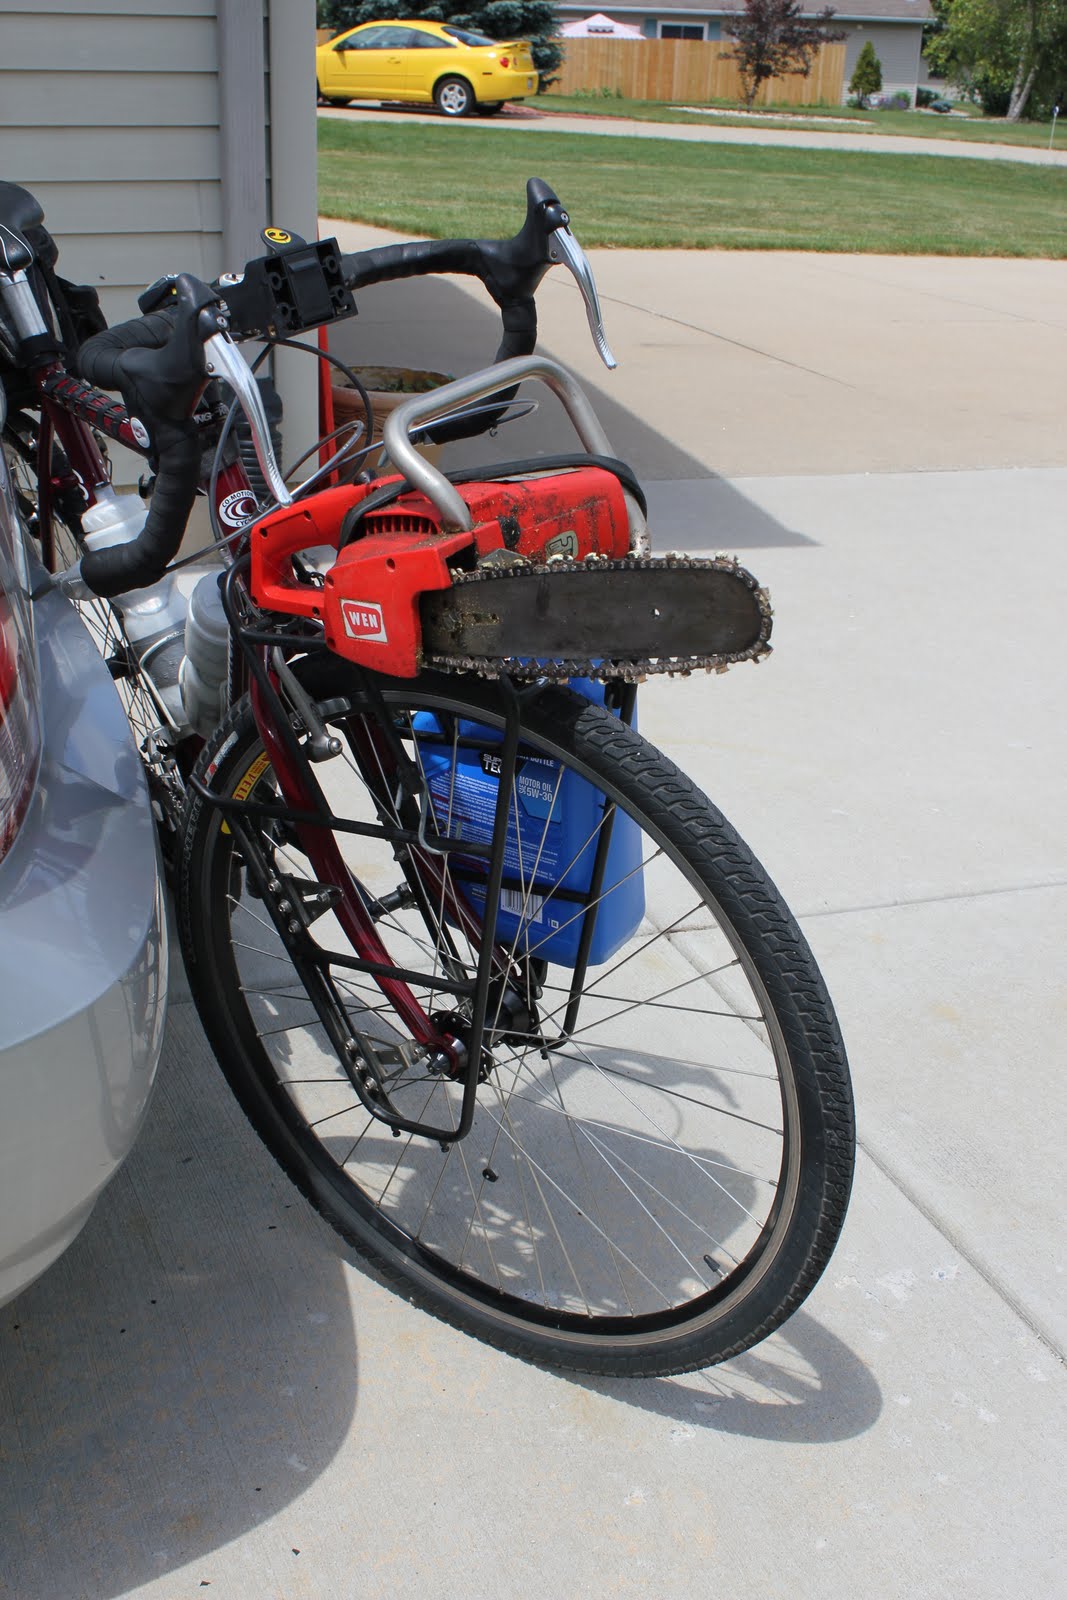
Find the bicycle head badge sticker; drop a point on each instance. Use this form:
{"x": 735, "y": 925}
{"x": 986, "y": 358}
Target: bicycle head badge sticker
{"x": 363, "y": 619}
{"x": 238, "y": 508}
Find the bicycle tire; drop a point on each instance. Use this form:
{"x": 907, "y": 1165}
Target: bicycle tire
{"x": 702, "y": 1300}
{"x": 104, "y": 625}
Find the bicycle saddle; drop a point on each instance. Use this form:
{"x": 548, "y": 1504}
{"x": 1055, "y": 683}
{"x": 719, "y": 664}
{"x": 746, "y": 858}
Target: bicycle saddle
{"x": 18, "y": 211}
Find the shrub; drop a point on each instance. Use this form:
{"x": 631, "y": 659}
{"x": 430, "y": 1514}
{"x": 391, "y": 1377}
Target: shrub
{"x": 993, "y": 92}
{"x": 866, "y": 76}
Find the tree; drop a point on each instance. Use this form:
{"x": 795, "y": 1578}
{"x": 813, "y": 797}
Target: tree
{"x": 772, "y": 38}
{"x": 1009, "y": 54}
{"x": 535, "y": 20}
{"x": 866, "y": 76}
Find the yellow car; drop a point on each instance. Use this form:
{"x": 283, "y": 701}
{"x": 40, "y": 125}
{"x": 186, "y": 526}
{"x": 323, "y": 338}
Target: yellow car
{"x": 425, "y": 63}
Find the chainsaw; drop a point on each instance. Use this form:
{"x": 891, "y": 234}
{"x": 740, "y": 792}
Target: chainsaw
{"x": 535, "y": 569}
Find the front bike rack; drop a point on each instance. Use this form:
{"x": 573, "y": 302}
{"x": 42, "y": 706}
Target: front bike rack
{"x": 306, "y": 809}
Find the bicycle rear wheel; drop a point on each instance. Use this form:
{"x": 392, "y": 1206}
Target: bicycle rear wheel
{"x": 152, "y": 726}
{"x": 652, "y": 1188}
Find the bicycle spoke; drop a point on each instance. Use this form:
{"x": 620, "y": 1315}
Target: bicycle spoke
{"x": 622, "y": 1175}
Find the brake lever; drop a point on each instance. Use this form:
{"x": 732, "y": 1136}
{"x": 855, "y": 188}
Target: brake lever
{"x": 564, "y": 249}
{"x": 224, "y": 360}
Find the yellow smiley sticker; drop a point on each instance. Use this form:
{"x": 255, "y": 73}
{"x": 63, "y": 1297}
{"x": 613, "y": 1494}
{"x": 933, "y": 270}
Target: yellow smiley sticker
{"x": 277, "y": 236}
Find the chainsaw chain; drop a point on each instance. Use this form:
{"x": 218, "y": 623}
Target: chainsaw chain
{"x": 630, "y": 670}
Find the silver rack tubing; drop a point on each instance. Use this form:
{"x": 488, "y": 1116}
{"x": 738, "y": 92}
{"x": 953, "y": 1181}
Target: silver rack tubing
{"x": 423, "y": 408}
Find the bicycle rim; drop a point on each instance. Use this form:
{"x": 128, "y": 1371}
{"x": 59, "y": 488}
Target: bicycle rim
{"x": 654, "y": 1188}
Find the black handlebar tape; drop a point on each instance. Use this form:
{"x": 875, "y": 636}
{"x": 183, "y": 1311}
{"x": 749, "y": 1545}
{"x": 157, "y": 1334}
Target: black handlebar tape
{"x": 98, "y": 356}
{"x": 520, "y": 337}
{"x": 157, "y": 362}
{"x": 420, "y": 259}
{"x": 144, "y": 560}
{"x": 511, "y": 269}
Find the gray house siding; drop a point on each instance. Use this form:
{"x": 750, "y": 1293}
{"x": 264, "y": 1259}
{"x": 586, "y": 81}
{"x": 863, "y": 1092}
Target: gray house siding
{"x": 144, "y": 126}
{"x": 897, "y": 46}
{"x": 109, "y": 112}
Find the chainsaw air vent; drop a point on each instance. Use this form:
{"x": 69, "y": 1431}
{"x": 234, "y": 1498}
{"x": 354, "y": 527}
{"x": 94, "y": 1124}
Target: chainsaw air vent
{"x": 390, "y": 520}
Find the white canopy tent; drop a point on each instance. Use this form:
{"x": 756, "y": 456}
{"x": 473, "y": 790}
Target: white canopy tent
{"x": 599, "y": 27}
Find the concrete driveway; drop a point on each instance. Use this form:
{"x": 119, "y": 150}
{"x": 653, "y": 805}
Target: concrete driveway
{"x": 207, "y": 1395}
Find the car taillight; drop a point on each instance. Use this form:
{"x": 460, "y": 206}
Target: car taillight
{"x": 505, "y": 61}
{"x": 20, "y": 733}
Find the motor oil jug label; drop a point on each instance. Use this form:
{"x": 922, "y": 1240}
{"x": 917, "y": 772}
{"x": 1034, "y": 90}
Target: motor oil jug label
{"x": 464, "y": 802}
{"x": 517, "y": 904}
{"x": 554, "y": 821}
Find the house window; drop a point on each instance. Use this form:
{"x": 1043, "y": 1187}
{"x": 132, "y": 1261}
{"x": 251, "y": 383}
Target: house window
{"x": 681, "y": 30}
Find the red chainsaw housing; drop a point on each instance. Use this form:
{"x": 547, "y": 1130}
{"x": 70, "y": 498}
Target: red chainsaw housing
{"x": 369, "y": 605}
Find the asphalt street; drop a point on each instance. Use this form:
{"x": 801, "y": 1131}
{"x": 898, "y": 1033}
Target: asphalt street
{"x": 531, "y": 119}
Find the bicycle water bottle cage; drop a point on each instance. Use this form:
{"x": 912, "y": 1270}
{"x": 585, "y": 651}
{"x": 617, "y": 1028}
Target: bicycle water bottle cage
{"x": 296, "y": 286}
{"x": 369, "y": 604}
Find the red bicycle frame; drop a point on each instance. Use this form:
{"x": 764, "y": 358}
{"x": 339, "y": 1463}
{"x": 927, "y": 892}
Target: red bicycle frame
{"x": 73, "y": 412}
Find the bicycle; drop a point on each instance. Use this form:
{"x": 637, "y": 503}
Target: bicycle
{"x": 500, "y": 989}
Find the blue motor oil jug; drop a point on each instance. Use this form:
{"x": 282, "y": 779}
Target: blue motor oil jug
{"x": 553, "y": 828}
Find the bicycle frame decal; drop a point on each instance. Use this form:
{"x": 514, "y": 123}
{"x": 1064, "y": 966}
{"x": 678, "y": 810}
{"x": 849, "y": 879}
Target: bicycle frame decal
{"x": 237, "y": 508}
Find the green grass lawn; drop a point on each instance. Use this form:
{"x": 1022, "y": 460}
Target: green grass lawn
{"x": 457, "y": 180}
{"x": 914, "y": 124}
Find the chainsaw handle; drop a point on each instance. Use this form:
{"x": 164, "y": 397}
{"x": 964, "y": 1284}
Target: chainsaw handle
{"x": 422, "y": 408}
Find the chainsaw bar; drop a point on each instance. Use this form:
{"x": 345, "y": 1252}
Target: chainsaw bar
{"x": 597, "y": 618}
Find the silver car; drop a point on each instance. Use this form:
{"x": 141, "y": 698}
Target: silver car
{"x": 83, "y": 935}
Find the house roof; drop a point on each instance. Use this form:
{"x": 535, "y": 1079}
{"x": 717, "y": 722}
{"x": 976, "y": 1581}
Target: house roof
{"x": 918, "y": 11}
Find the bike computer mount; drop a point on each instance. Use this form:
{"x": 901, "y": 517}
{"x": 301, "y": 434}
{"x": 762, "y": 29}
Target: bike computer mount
{"x": 294, "y": 287}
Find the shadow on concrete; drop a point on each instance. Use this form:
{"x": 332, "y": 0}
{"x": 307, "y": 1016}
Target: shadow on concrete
{"x": 803, "y": 1385}
{"x": 432, "y": 324}
{"x": 185, "y": 1370}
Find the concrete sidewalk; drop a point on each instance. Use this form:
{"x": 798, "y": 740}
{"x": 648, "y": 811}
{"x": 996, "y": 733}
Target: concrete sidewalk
{"x": 708, "y": 133}
{"x": 207, "y": 1395}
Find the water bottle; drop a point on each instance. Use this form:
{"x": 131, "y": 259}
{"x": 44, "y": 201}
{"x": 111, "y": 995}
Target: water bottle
{"x": 204, "y": 670}
{"x": 553, "y": 823}
{"x": 153, "y": 618}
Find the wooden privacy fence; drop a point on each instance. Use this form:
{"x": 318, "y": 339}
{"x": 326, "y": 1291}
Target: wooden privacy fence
{"x": 687, "y": 71}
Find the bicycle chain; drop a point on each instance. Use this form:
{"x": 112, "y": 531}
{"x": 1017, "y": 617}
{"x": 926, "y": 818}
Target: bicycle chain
{"x": 632, "y": 670}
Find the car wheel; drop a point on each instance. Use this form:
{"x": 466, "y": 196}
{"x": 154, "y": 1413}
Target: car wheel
{"x": 453, "y": 97}
{"x": 490, "y": 108}
{"x": 327, "y": 99}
